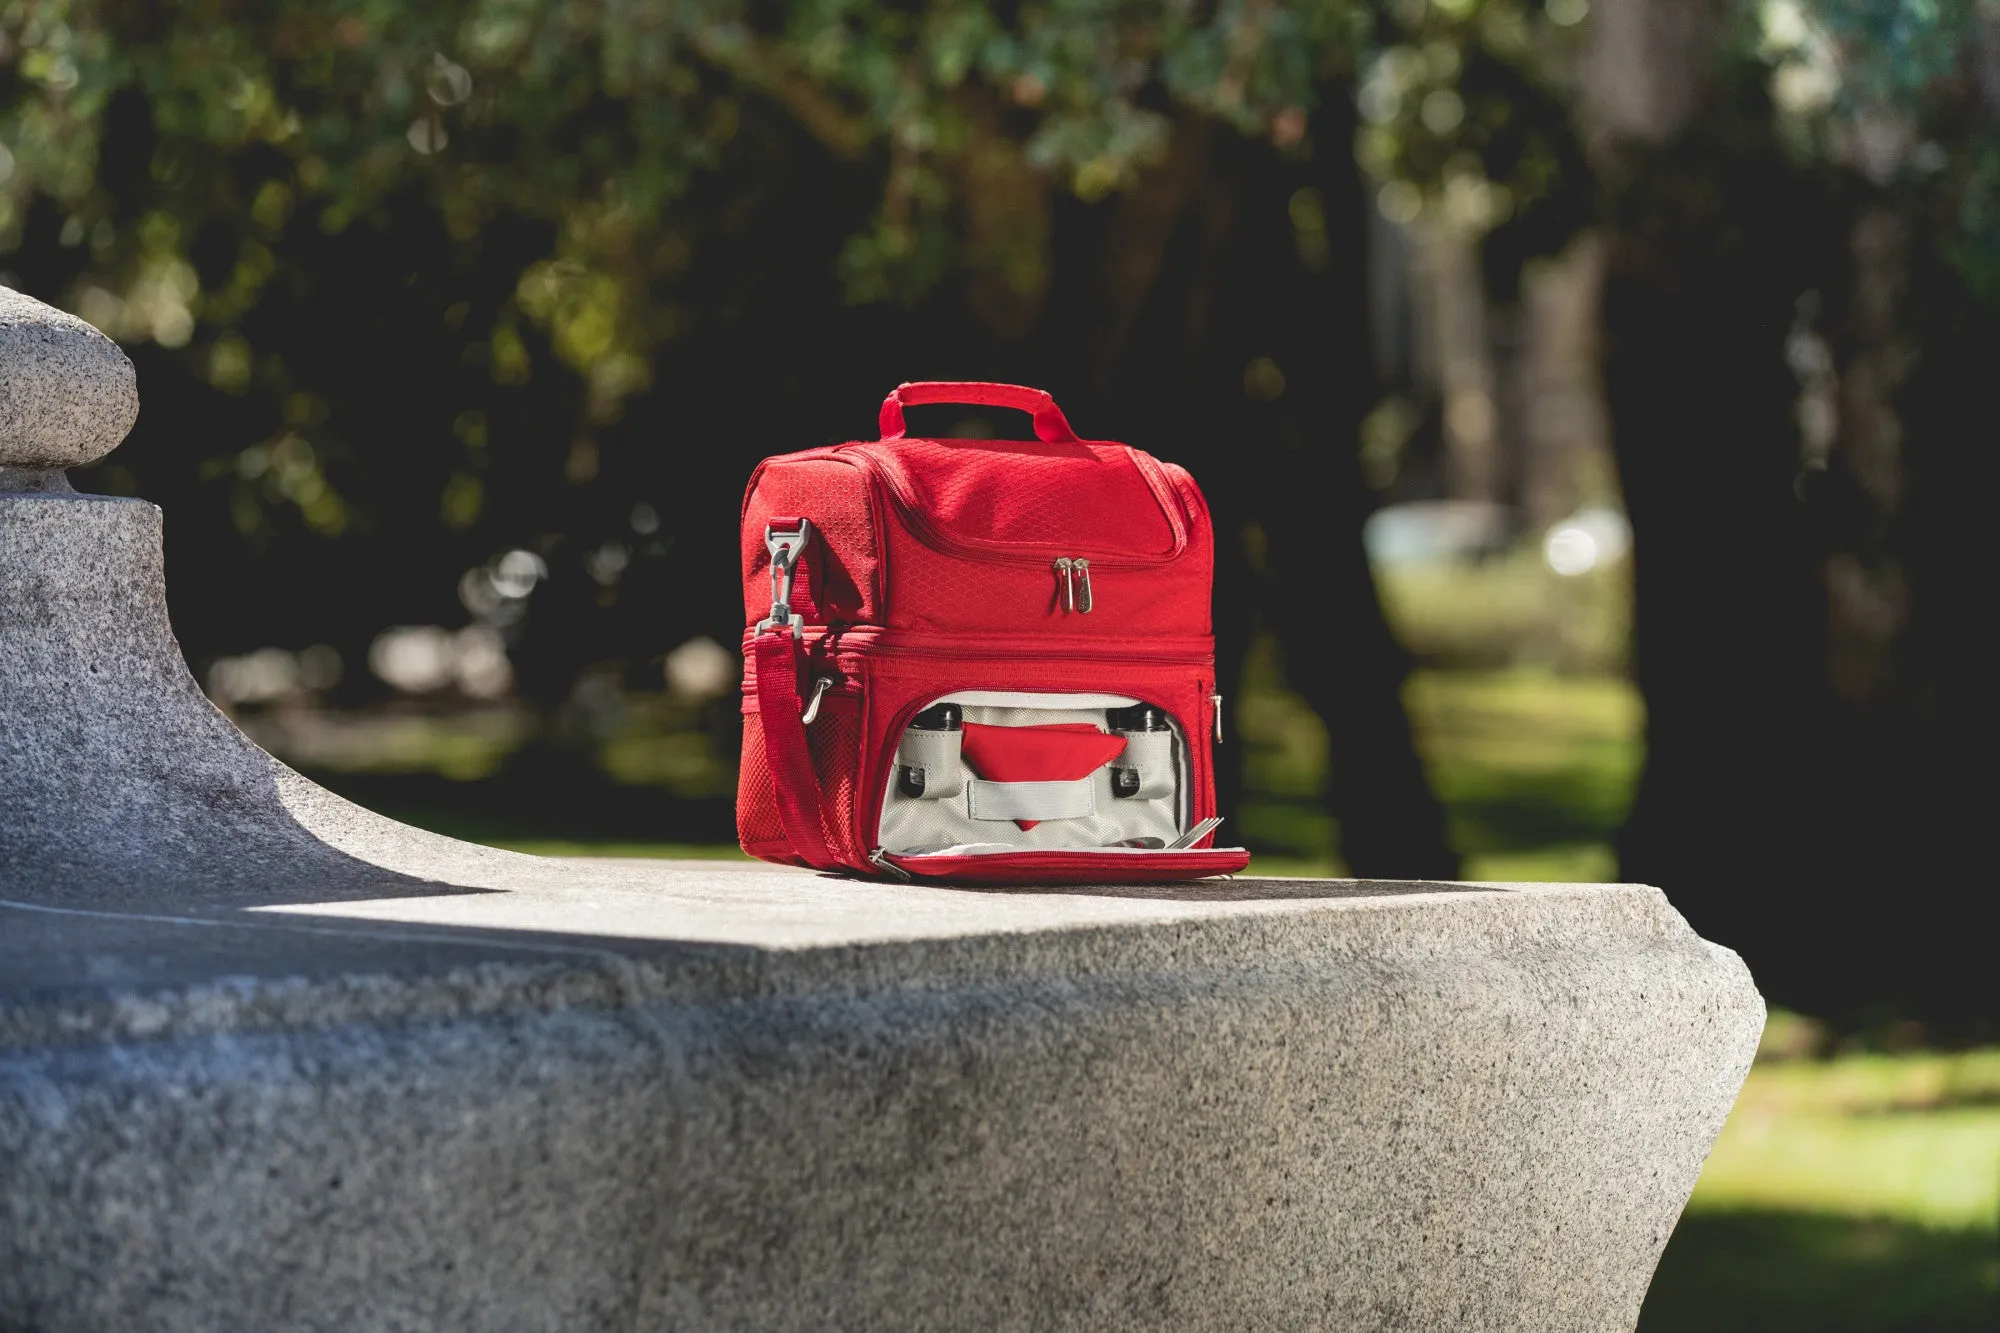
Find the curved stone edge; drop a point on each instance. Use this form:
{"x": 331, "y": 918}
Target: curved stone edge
{"x": 869, "y": 937}
{"x": 97, "y": 694}
{"x": 68, "y": 394}
{"x": 1453, "y": 1137}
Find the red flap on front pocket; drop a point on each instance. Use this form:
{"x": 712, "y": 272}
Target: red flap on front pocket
{"x": 1056, "y": 752}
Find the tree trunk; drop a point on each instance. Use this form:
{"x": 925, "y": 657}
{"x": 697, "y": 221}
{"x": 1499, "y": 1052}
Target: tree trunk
{"x": 1806, "y": 536}
{"x": 1702, "y": 273}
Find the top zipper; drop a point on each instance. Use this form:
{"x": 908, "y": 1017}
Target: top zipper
{"x": 1163, "y": 491}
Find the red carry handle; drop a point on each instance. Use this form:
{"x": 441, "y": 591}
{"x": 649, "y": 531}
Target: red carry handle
{"x": 1050, "y": 424}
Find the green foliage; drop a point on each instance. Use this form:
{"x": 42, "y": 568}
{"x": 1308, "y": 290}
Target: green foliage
{"x": 1896, "y": 51}
{"x": 1908, "y": 92}
{"x": 1465, "y": 111}
{"x": 416, "y": 284}
{"x": 598, "y": 119}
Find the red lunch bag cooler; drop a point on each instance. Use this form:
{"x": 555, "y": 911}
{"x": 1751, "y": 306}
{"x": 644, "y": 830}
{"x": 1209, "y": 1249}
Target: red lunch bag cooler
{"x": 985, "y": 661}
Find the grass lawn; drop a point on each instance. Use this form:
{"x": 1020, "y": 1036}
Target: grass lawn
{"x": 1859, "y": 1194}
{"x": 1535, "y": 770}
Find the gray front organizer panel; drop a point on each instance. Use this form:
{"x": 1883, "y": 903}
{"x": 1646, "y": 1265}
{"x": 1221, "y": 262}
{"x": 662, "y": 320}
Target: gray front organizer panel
{"x": 910, "y": 823}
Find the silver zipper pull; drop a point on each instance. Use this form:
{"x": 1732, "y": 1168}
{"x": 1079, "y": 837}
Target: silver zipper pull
{"x": 820, "y": 687}
{"x": 1215, "y": 702}
{"x": 1080, "y": 569}
{"x": 880, "y": 860}
{"x": 1066, "y": 589}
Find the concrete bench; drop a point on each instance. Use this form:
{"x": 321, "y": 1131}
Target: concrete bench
{"x": 270, "y": 1061}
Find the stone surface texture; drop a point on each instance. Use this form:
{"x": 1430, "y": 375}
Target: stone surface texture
{"x": 68, "y": 394}
{"x": 686, "y": 1096}
{"x": 268, "y": 1060}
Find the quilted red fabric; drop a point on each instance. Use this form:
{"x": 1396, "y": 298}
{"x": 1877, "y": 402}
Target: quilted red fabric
{"x": 1057, "y": 752}
{"x": 1077, "y": 496}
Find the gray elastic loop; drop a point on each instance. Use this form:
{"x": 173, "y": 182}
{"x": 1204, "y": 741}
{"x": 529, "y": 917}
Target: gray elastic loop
{"x": 1033, "y": 800}
{"x": 936, "y": 753}
{"x": 1152, "y": 754}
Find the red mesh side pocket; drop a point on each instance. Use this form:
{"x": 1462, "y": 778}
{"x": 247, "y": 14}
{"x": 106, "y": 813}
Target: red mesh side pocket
{"x": 834, "y": 739}
{"x": 759, "y": 827}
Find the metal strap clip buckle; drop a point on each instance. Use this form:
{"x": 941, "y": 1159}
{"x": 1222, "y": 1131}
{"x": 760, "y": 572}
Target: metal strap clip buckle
{"x": 785, "y": 549}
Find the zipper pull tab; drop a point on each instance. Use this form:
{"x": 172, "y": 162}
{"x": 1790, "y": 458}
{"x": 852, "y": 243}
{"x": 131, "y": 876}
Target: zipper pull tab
{"x": 1080, "y": 569}
{"x": 880, "y": 860}
{"x": 820, "y": 687}
{"x": 1066, "y": 584}
{"x": 1215, "y": 702}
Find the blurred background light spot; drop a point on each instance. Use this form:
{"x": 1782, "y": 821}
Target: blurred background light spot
{"x": 516, "y": 573}
{"x": 270, "y": 674}
{"x": 1442, "y": 110}
{"x": 1264, "y": 380}
{"x": 229, "y": 363}
{"x": 480, "y": 664}
{"x": 608, "y": 562}
{"x": 1400, "y": 202}
{"x": 1384, "y": 432}
{"x": 416, "y": 659}
{"x": 1570, "y": 550}
{"x": 254, "y": 678}
{"x": 701, "y": 669}
{"x": 1433, "y": 531}
{"x": 1379, "y": 98}
{"x": 320, "y": 667}
{"x": 427, "y": 135}
{"x": 424, "y": 659}
{"x": 1469, "y": 415}
{"x": 1587, "y": 539}
{"x": 463, "y": 497}
{"x": 448, "y": 83}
